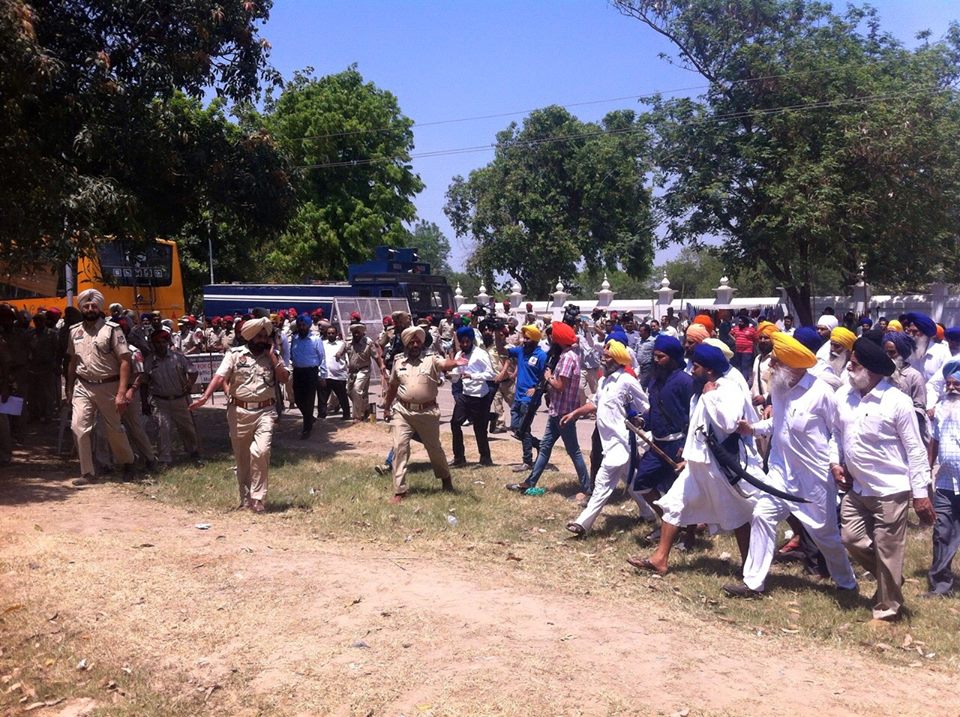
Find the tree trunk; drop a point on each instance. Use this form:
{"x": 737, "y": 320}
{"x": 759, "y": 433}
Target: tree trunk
{"x": 800, "y": 298}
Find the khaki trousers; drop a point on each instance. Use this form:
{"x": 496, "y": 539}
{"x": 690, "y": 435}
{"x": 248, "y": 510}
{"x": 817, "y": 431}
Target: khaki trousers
{"x": 502, "y": 401}
{"x": 170, "y": 413}
{"x": 426, "y": 424}
{"x": 132, "y": 423}
{"x": 88, "y": 400}
{"x": 589, "y": 380}
{"x": 251, "y": 433}
{"x": 874, "y": 531}
{"x": 358, "y": 387}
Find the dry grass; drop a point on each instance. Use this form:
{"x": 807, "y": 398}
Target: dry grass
{"x": 497, "y": 530}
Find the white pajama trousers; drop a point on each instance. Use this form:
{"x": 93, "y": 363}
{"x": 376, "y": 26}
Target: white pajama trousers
{"x": 606, "y": 482}
{"x": 767, "y": 513}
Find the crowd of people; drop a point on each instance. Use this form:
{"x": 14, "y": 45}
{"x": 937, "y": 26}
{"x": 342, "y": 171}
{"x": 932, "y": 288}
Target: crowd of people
{"x": 716, "y": 422}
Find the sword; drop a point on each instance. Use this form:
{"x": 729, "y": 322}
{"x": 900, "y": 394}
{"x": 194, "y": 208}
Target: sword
{"x": 730, "y": 465}
{"x": 654, "y": 447}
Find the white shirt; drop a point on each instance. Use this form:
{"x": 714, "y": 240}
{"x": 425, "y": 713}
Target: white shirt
{"x": 878, "y": 441}
{"x": 614, "y": 394}
{"x": 336, "y": 365}
{"x": 801, "y": 427}
{"x": 480, "y": 370}
{"x": 932, "y": 369}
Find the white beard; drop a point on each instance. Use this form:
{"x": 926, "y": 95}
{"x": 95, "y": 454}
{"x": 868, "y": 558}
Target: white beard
{"x": 859, "y": 379}
{"x": 923, "y": 343}
{"x": 949, "y": 408}
{"x": 781, "y": 380}
{"x": 839, "y": 361}
{"x": 899, "y": 361}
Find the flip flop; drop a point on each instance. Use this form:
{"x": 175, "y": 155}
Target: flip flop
{"x": 645, "y": 564}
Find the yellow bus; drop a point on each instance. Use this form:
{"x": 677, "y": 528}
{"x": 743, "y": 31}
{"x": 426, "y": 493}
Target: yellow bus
{"x": 140, "y": 278}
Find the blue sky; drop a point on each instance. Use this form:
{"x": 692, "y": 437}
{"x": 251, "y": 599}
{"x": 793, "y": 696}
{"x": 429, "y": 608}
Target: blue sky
{"x": 457, "y": 59}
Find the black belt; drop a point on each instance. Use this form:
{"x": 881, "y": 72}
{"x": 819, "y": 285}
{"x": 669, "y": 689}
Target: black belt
{"x": 109, "y": 379}
{"x": 168, "y": 398}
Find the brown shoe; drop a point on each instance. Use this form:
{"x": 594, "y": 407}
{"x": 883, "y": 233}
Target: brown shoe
{"x": 256, "y": 506}
{"x": 397, "y": 498}
{"x": 244, "y": 504}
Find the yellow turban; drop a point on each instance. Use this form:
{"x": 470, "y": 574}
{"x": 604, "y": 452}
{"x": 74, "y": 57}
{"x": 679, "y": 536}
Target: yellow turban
{"x": 727, "y": 352}
{"x": 530, "y": 331}
{"x": 843, "y": 336}
{"x": 618, "y": 352}
{"x": 410, "y": 332}
{"x": 697, "y": 332}
{"x": 765, "y": 328}
{"x": 894, "y": 326}
{"x": 790, "y": 352}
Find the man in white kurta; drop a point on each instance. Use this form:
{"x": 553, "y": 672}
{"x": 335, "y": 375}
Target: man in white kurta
{"x": 616, "y": 391}
{"x": 799, "y": 463}
{"x": 702, "y": 493}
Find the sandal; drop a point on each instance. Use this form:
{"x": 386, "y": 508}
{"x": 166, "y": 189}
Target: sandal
{"x": 645, "y": 564}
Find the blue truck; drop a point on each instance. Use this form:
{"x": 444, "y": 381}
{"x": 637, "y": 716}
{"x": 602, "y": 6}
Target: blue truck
{"x": 393, "y": 273}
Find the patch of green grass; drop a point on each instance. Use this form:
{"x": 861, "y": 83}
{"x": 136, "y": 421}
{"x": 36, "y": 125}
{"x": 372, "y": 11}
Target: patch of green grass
{"x": 498, "y": 530}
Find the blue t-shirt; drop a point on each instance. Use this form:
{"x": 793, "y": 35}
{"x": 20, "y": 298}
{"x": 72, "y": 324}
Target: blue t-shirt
{"x": 530, "y": 368}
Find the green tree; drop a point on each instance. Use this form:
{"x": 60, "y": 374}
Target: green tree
{"x": 557, "y": 193}
{"x": 351, "y": 146}
{"x": 96, "y": 138}
{"x": 821, "y": 142}
{"x": 432, "y": 246}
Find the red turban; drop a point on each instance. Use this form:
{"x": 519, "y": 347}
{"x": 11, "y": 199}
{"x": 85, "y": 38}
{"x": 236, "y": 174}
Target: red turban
{"x": 563, "y": 334}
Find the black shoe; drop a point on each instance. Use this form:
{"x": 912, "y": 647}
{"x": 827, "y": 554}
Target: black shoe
{"x": 739, "y": 590}
{"x": 576, "y": 529}
{"x": 518, "y": 487}
{"x": 446, "y": 485}
{"x": 197, "y": 460}
{"x": 488, "y": 463}
{"x": 459, "y": 463}
{"x": 85, "y": 480}
{"x": 128, "y": 473}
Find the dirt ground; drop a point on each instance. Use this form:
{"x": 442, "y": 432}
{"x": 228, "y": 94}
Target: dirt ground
{"x": 264, "y": 619}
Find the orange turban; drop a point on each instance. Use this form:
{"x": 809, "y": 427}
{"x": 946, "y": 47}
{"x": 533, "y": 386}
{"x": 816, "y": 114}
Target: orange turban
{"x": 843, "y": 336}
{"x": 765, "y": 328}
{"x": 790, "y": 352}
{"x": 703, "y": 320}
{"x": 697, "y": 332}
{"x": 939, "y": 332}
{"x": 563, "y": 334}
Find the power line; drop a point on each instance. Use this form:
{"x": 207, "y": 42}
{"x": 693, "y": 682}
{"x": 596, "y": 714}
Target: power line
{"x": 770, "y": 111}
{"x": 499, "y": 115}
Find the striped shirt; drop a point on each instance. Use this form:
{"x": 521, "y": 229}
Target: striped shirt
{"x": 562, "y": 402}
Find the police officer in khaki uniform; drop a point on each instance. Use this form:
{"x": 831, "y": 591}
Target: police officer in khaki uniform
{"x": 361, "y": 353}
{"x": 98, "y": 377}
{"x": 414, "y": 382}
{"x": 168, "y": 376}
{"x": 252, "y": 373}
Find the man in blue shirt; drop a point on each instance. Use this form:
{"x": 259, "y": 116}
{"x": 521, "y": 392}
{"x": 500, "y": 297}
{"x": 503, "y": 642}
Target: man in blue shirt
{"x": 530, "y": 361}
{"x": 309, "y": 369}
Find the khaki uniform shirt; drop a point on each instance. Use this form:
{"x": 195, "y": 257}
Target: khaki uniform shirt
{"x": 217, "y": 340}
{"x": 417, "y": 380}
{"x": 99, "y": 350}
{"x": 359, "y": 354}
{"x": 251, "y": 377}
{"x": 169, "y": 375}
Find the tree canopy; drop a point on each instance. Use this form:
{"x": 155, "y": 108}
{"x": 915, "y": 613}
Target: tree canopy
{"x": 821, "y": 142}
{"x": 350, "y": 144}
{"x": 432, "y": 246}
{"x": 559, "y": 192}
{"x": 97, "y": 136}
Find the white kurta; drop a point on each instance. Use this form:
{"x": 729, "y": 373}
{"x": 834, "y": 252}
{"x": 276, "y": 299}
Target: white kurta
{"x": 799, "y": 463}
{"x": 701, "y": 493}
{"x": 615, "y": 393}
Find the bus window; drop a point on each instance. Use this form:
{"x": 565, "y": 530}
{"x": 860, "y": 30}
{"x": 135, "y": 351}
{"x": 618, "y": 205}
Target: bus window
{"x": 386, "y": 293}
{"x": 363, "y": 292}
{"x": 140, "y": 266}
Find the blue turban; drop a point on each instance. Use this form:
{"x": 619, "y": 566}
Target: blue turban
{"x": 952, "y": 334}
{"x": 711, "y": 358}
{"x": 618, "y": 334}
{"x": 924, "y": 323}
{"x": 305, "y": 318}
{"x": 902, "y": 340}
{"x": 809, "y": 337}
{"x": 866, "y": 321}
{"x": 671, "y": 346}
{"x": 466, "y": 332}
{"x": 951, "y": 369}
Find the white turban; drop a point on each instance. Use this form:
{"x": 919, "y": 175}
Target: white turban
{"x": 410, "y": 332}
{"x": 252, "y": 327}
{"x": 85, "y": 297}
{"x": 828, "y": 320}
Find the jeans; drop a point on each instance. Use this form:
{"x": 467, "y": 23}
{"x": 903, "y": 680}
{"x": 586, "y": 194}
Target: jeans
{"x": 568, "y": 434}
{"x": 518, "y": 410}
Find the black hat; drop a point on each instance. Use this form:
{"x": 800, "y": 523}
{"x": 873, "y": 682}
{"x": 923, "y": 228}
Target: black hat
{"x": 872, "y": 357}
